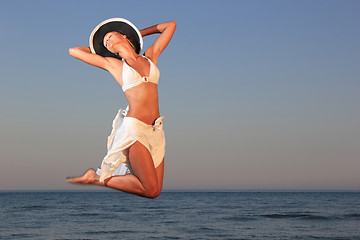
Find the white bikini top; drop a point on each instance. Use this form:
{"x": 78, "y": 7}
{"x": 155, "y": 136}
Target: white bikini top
{"x": 131, "y": 78}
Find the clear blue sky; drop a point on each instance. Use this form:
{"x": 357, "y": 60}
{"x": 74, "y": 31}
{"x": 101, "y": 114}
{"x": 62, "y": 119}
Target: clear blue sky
{"x": 255, "y": 94}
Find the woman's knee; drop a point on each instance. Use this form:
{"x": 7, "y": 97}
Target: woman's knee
{"x": 152, "y": 192}
{"x": 143, "y": 168}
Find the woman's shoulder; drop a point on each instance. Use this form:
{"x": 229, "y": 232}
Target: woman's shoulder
{"x": 115, "y": 67}
{"x": 151, "y": 56}
{"x": 114, "y": 63}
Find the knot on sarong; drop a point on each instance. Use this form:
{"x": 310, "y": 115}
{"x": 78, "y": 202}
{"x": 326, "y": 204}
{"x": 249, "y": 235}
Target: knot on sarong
{"x": 158, "y": 124}
{"x": 124, "y": 112}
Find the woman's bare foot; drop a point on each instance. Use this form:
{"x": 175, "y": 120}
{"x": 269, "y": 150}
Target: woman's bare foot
{"x": 90, "y": 177}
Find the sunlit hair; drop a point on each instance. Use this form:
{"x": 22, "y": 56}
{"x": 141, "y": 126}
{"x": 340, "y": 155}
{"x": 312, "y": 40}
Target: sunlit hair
{"x": 131, "y": 44}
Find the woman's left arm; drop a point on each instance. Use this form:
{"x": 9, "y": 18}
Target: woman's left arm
{"x": 166, "y": 31}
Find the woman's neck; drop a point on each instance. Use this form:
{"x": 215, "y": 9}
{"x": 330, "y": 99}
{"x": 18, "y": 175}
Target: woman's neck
{"x": 127, "y": 53}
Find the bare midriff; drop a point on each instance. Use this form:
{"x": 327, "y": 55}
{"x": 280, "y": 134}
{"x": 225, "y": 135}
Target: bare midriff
{"x": 143, "y": 102}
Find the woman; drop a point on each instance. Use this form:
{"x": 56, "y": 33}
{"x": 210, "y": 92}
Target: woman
{"x": 137, "y": 141}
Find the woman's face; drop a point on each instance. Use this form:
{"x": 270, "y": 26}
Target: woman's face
{"x": 111, "y": 38}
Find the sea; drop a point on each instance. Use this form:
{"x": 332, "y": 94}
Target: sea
{"x": 180, "y": 215}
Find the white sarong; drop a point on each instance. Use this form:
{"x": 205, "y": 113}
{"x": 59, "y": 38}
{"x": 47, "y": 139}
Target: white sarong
{"x": 125, "y": 132}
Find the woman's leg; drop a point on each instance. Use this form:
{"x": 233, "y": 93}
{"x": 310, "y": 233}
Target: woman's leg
{"x": 146, "y": 182}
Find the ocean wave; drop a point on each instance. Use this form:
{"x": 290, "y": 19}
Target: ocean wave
{"x": 239, "y": 219}
{"x": 312, "y": 216}
{"x": 301, "y": 216}
{"x": 33, "y": 207}
{"x": 20, "y": 235}
{"x": 85, "y": 214}
{"x": 110, "y": 232}
{"x": 352, "y": 215}
{"x": 331, "y": 237}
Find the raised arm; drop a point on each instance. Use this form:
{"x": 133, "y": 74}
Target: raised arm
{"x": 84, "y": 54}
{"x": 166, "y": 30}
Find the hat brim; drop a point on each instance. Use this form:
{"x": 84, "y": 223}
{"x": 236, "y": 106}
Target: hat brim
{"x": 120, "y": 25}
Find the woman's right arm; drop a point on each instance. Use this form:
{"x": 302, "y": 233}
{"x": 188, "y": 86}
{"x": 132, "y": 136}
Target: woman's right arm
{"x": 85, "y": 55}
